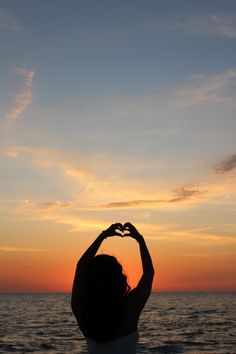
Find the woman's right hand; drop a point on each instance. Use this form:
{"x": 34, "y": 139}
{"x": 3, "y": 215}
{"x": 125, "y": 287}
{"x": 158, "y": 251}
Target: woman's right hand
{"x": 113, "y": 230}
{"x": 133, "y": 232}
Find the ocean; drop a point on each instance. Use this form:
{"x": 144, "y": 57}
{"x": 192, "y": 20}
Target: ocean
{"x": 170, "y": 323}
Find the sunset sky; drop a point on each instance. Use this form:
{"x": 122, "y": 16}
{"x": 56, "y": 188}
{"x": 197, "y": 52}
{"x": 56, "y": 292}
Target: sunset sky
{"x": 116, "y": 111}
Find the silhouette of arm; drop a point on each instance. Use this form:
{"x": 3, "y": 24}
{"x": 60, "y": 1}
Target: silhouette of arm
{"x": 141, "y": 293}
{"x": 145, "y": 284}
{"x": 78, "y": 288}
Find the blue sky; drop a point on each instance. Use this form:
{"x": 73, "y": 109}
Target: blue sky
{"x": 118, "y": 109}
{"x": 153, "y": 80}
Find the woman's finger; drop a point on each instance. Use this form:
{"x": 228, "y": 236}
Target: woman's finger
{"x": 130, "y": 227}
{"x": 119, "y": 226}
{"x": 127, "y": 234}
{"x": 117, "y": 234}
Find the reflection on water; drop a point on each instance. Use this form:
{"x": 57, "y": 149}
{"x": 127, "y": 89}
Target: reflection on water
{"x": 171, "y": 323}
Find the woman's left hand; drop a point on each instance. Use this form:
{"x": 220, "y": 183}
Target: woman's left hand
{"x": 114, "y": 230}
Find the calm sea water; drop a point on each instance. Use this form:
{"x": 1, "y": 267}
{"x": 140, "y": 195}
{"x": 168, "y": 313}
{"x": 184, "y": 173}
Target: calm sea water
{"x": 171, "y": 323}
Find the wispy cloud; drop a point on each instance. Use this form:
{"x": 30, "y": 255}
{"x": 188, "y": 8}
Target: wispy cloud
{"x": 20, "y": 249}
{"x": 161, "y": 112}
{"x": 187, "y": 192}
{"x": 226, "y": 165}
{"x": 212, "y": 24}
{"x": 14, "y": 152}
{"x": 181, "y": 194}
{"x": 204, "y": 89}
{"x": 200, "y": 237}
{"x": 86, "y": 175}
{"x": 75, "y": 221}
{"x": 23, "y": 97}
{"x": 130, "y": 204}
{"x": 57, "y": 204}
{"x": 94, "y": 190}
{"x": 48, "y": 205}
{"x": 222, "y": 191}
{"x": 8, "y": 22}
{"x": 91, "y": 188}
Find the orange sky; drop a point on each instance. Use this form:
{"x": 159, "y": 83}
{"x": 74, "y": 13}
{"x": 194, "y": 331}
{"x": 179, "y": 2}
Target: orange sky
{"x": 123, "y": 114}
{"x": 180, "y": 266}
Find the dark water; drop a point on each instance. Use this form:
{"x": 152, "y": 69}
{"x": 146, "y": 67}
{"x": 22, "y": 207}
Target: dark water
{"x": 171, "y": 323}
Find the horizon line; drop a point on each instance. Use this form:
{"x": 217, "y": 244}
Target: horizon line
{"x": 153, "y": 292}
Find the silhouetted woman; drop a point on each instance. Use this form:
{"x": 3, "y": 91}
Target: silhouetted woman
{"x": 106, "y": 310}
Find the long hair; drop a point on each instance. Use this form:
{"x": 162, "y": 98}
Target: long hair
{"x": 106, "y": 288}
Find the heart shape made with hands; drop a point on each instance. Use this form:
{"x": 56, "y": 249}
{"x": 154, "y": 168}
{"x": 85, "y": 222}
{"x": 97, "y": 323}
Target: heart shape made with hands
{"x": 123, "y": 230}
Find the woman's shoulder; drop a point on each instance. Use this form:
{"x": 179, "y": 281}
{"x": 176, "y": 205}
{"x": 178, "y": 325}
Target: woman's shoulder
{"x": 134, "y": 302}
{"x": 131, "y": 314}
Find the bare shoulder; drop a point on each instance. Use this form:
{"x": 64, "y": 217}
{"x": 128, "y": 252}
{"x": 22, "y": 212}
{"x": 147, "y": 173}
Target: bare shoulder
{"x": 135, "y": 301}
{"x": 138, "y": 297}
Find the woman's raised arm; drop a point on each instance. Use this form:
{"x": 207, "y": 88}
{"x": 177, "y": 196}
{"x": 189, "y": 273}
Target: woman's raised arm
{"x": 79, "y": 279}
{"x": 142, "y": 291}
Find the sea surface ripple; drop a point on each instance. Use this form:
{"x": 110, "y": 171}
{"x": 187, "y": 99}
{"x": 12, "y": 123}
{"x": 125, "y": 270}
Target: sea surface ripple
{"x": 170, "y": 323}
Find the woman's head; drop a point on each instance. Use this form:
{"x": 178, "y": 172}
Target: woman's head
{"x": 106, "y": 288}
{"x": 105, "y": 275}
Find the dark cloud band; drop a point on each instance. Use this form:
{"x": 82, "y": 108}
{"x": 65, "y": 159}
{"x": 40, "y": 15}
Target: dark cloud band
{"x": 180, "y": 194}
{"x": 226, "y": 165}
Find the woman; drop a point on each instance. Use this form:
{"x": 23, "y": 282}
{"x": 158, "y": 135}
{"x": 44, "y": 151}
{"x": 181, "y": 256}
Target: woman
{"x": 106, "y": 310}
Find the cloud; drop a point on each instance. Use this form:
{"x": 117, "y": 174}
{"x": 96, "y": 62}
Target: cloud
{"x": 23, "y": 97}
{"x": 86, "y": 175}
{"x": 205, "y": 89}
{"x": 20, "y": 249}
{"x": 48, "y": 205}
{"x": 222, "y": 25}
{"x": 200, "y": 236}
{"x": 57, "y": 204}
{"x": 160, "y": 113}
{"x": 187, "y": 192}
{"x": 8, "y": 22}
{"x": 131, "y": 204}
{"x": 51, "y": 211}
{"x": 226, "y": 165}
{"x": 92, "y": 189}
{"x": 221, "y": 192}
{"x": 75, "y": 222}
{"x": 14, "y": 152}
{"x": 181, "y": 194}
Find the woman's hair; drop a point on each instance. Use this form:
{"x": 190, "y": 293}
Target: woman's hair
{"x": 106, "y": 288}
